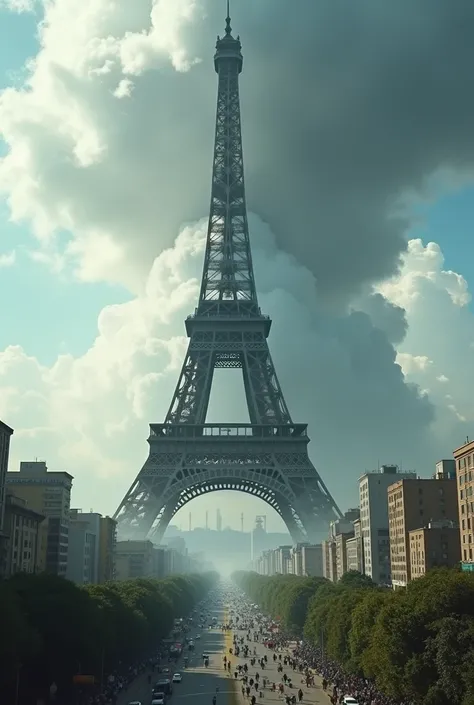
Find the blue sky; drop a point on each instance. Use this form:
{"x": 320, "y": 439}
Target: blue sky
{"x": 47, "y": 314}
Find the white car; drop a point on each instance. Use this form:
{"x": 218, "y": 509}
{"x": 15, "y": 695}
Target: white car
{"x": 158, "y": 699}
{"x": 349, "y": 700}
{"x": 198, "y": 636}
{"x": 177, "y": 678}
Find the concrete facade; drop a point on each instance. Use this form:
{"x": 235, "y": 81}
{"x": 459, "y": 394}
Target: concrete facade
{"x": 374, "y": 523}
{"x": 413, "y": 504}
{"x": 49, "y": 494}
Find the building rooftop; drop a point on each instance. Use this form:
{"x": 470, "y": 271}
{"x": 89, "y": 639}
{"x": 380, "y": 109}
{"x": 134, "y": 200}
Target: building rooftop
{"x": 6, "y": 429}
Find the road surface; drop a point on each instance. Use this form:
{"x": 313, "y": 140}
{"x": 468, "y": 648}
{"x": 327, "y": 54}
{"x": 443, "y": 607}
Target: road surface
{"x": 313, "y": 695}
{"x": 199, "y": 684}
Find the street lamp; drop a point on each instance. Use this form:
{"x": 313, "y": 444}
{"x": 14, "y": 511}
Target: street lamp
{"x": 17, "y": 688}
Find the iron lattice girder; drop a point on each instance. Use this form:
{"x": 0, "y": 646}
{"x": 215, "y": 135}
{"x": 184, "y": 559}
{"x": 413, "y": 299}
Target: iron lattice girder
{"x": 229, "y": 345}
{"x": 270, "y": 462}
{"x": 228, "y": 270}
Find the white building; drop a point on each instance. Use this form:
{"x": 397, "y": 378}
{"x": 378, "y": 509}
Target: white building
{"x": 83, "y": 547}
{"x": 373, "y": 501}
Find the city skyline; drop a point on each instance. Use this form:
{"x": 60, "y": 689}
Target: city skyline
{"x": 84, "y": 405}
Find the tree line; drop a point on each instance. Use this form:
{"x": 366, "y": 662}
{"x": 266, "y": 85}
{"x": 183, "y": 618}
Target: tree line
{"x": 416, "y": 644}
{"x": 52, "y": 629}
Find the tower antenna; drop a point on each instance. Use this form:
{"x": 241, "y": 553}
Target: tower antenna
{"x": 228, "y": 29}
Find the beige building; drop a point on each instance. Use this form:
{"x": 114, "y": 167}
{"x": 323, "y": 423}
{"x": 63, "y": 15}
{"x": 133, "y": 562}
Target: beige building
{"x": 414, "y": 503}
{"x": 134, "y": 559}
{"x": 464, "y": 459}
{"x": 22, "y": 532}
{"x": 48, "y": 494}
{"x": 434, "y": 546}
{"x": 341, "y": 554}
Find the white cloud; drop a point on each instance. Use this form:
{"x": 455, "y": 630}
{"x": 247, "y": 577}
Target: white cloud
{"x": 18, "y": 5}
{"x": 437, "y": 351}
{"x": 8, "y": 260}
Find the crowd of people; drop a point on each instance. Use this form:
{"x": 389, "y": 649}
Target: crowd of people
{"x": 298, "y": 663}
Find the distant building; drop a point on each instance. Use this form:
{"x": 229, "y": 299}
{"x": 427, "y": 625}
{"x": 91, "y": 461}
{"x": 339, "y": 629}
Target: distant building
{"x": 341, "y": 553}
{"x": 434, "y": 546}
{"x": 22, "y": 537}
{"x": 5, "y": 434}
{"x": 297, "y": 558}
{"x": 413, "y": 504}
{"x": 83, "y": 547}
{"x": 312, "y": 560}
{"x": 283, "y": 559}
{"x": 464, "y": 465}
{"x": 374, "y": 524}
{"x": 48, "y": 494}
{"x": 107, "y": 549}
{"x": 134, "y": 559}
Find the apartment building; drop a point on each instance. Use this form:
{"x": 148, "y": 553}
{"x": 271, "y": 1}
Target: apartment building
{"x": 374, "y": 523}
{"x": 413, "y": 504}
{"x": 341, "y": 553}
{"x": 48, "y": 494}
{"x": 83, "y": 547}
{"x": 22, "y": 537}
{"x": 464, "y": 466}
{"x": 433, "y": 546}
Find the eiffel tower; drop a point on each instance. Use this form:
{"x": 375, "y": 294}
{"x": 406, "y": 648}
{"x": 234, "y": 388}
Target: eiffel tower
{"x": 267, "y": 458}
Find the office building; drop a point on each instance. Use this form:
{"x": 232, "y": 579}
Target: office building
{"x": 464, "y": 465}
{"x": 134, "y": 559}
{"x": 107, "y": 549}
{"x": 312, "y": 560}
{"x": 48, "y": 494}
{"x": 22, "y": 537}
{"x": 413, "y": 504}
{"x": 83, "y": 547}
{"x": 374, "y": 524}
{"x": 434, "y": 546}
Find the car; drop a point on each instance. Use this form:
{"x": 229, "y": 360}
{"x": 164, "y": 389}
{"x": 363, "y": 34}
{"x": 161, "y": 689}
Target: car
{"x": 135, "y": 702}
{"x": 159, "y": 699}
{"x": 198, "y": 636}
{"x": 349, "y": 700}
{"x": 163, "y": 686}
{"x": 177, "y": 678}
{"x": 166, "y": 671}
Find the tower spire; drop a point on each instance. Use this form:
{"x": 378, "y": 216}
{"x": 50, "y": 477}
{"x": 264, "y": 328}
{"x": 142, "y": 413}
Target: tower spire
{"x": 228, "y": 29}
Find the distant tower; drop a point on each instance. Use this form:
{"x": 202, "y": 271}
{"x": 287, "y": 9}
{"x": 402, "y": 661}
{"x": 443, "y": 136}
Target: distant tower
{"x": 258, "y": 538}
{"x": 242, "y": 522}
{"x": 207, "y": 519}
{"x": 190, "y": 521}
{"x": 218, "y": 520}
